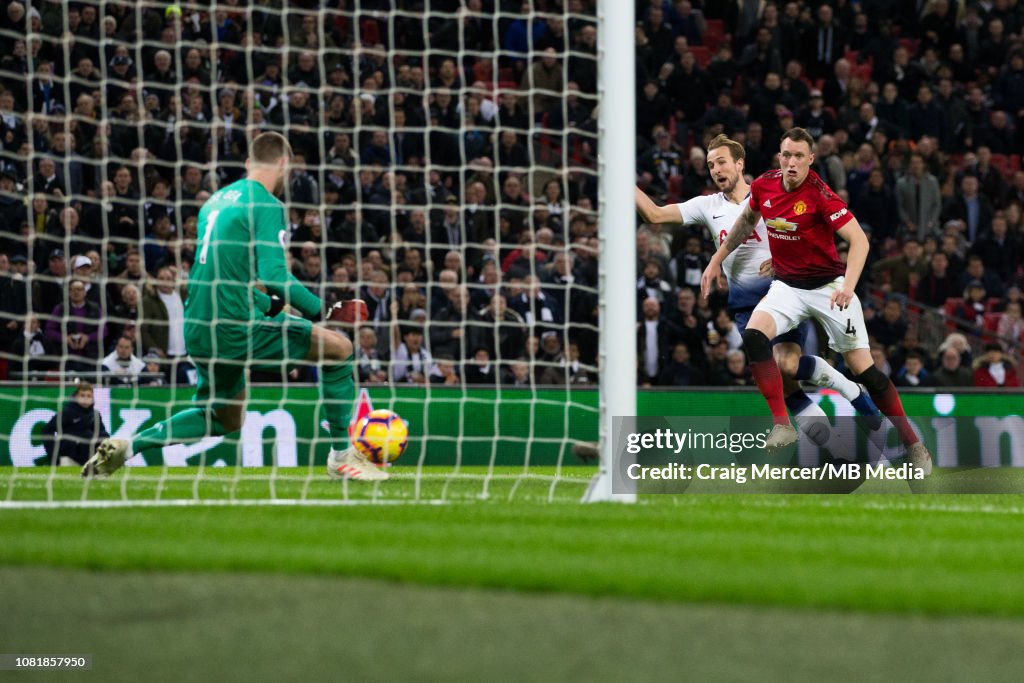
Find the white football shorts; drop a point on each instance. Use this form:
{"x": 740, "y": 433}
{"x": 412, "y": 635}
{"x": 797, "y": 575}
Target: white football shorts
{"x": 790, "y": 306}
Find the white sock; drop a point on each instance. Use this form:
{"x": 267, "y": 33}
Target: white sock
{"x": 825, "y": 375}
{"x": 814, "y": 423}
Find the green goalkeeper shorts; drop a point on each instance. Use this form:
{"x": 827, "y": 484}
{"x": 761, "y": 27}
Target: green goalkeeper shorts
{"x": 271, "y": 343}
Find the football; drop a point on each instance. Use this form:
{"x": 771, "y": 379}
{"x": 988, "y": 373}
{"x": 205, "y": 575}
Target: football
{"x": 381, "y": 436}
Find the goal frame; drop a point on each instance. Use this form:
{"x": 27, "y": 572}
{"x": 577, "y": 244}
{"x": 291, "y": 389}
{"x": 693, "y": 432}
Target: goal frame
{"x": 616, "y": 85}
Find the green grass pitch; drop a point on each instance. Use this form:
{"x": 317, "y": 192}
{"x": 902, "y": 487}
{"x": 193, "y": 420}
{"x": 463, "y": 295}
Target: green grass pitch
{"x": 525, "y": 584}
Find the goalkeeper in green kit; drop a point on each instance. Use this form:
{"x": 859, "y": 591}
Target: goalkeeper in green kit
{"x": 229, "y": 324}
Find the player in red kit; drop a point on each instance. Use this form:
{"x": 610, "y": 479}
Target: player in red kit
{"x": 802, "y": 215}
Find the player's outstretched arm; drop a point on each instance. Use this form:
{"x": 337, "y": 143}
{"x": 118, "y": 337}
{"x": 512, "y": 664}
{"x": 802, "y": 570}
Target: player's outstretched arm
{"x": 271, "y": 268}
{"x": 743, "y": 228}
{"x": 652, "y": 213}
{"x": 859, "y": 246}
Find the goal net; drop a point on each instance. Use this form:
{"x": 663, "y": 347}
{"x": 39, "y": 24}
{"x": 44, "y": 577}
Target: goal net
{"x": 446, "y": 171}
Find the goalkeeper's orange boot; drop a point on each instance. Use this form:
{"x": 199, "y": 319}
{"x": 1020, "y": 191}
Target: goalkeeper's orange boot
{"x": 108, "y": 458}
{"x": 351, "y": 464}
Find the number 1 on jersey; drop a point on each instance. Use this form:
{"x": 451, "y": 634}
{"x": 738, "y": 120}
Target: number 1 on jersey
{"x": 210, "y": 221}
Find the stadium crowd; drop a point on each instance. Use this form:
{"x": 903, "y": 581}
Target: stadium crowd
{"x": 445, "y": 172}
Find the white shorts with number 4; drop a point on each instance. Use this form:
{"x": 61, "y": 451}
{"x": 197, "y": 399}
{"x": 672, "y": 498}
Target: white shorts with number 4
{"x": 790, "y": 306}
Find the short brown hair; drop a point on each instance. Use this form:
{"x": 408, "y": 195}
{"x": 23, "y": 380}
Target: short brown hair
{"x": 268, "y": 147}
{"x": 735, "y": 149}
{"x": 82, "y": 387}
{"x": 798, "y": 135}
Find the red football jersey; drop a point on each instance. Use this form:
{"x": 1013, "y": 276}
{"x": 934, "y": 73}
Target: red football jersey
{"x": 801, "y": 226}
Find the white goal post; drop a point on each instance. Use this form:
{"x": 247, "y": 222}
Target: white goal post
{"x": 616, "y": 176}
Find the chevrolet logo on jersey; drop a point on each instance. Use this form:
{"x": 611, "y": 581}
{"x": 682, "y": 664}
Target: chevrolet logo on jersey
{"x": 781, "y": 224}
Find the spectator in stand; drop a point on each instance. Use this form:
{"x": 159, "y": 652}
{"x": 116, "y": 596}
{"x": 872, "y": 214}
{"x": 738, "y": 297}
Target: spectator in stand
{"x": 999, "y": 249}
{"x": 78, "y": 330}
{"x": 995, "y": 368}
{"x": 312, "y": 275}
{"x": 652, "y": 108}
{"x": 552, "y": 359}
{"x": 163, "y": 313}
{"x": 543, "y": 80}
{"x": 651, "y": 284}
{"x": 828, "y": 163}
{"x": 1011, "y": 326}
{"x": 976, "y": 271}
{"x": 875, "y": 207}
{"x": 480, "y": 370}
{"x": 951, "y": 373}
{"x": 919, "y": 200}
{"x": 540, "y": 311}
{"x": 370, "y": 362}
{"x": 445, "y": 372}
{"x": 124, "y": 317}
{"x": 660, "y": 163}
{"x": 690, "y": 328}
{"x": 655, "y": 338}
{"x": 970, "y": 206}
{"x": 71, "y": 436}
{"x": 760, "y": 155}
{"x": 823, "y": 43}
{"x": 1013, "y": 296}
{"x": 13, "y": 303}
{"x": 973, "y": 307}
{"x": 132, "y": 274}
{"x": 913, "y": 372}
{"x": 499, "y": 330}
{"x": 121, "y": 366}
{"x": 760, "y": 58}
{"x": 33, "y": 348}
{"x": 154, "y": 375}
{"x": 836, "y": 89}
{"x": 990, "y": 178}
{"x": 891, "y": 109}
{"x": 736, "y": 374}
{"x": 954, "y": 246}
{"x": 340, "y": 288}
{"x": 958, "y": 342}
{"x": 449, "y": 322}
{"x": 717, "y": 364}
{"x": 722, "y": 327}
{"x": 689, "y": 264}
{"x": 925, "y": 116}
{"x": 817, "y": 120}
{"x": 447, "y": 231}
{"x": 412, "y": 363}
{"x": 689, "y": 89}
{"x": 998, "y": 133}
{"x": 938, "y": 283}
{"x": 899, "y": 268}
{"x": 889, "y": 328}
{"x": 909, "y": 344}
{"x": 82, "y": 269}
{"x": 518, "y": 373}
{"x": 725, "y": 114}
{"x": 679, "y": 371}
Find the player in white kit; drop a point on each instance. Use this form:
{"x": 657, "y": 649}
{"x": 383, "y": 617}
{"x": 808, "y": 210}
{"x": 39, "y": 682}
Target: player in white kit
{"x": 743, "y": 269}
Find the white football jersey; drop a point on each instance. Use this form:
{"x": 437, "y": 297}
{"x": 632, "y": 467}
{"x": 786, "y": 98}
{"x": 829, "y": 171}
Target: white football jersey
{"x": 718, "y": 214}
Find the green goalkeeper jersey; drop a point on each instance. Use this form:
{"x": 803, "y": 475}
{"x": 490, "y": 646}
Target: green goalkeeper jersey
{"x": 241, "y": 241}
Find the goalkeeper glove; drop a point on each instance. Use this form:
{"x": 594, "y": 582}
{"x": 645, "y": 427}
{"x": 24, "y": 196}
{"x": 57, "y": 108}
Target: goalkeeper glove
{"x": 276, "y": 306}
